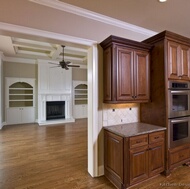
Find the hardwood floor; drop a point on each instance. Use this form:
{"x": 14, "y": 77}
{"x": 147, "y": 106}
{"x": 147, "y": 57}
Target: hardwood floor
{"x": 55, "y": 157}
{"x": 46, "y": 157}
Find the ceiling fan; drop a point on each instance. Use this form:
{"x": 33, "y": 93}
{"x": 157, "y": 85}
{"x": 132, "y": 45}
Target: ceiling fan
{"x": 65, "y": 64}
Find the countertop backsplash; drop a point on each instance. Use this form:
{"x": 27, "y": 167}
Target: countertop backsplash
{"x": 114, "y": 114}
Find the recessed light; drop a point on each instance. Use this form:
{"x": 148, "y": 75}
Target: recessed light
{"x": 162, "y": 1}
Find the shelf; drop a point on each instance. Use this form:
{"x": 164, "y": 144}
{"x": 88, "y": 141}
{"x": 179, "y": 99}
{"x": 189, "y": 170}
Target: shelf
{"x": 21, "y": 94}
{"x": 81, "y": 94}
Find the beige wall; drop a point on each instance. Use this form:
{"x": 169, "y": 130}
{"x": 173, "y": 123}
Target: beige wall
{"x": 20, "y": 70}
{"x": 79, "y": 74}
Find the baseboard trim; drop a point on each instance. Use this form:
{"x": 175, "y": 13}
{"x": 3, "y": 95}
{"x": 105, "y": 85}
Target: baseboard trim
{"x": 101, "y": 170}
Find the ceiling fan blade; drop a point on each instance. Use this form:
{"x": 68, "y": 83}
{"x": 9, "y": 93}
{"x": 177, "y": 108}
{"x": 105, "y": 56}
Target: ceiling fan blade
{"x": 77, "y": 66}
{"x": 53, "y": 63}
{"x": 55, "y": 66}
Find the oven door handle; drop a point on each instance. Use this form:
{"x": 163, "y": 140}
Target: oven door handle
{"x": 179, "y": 120}
{"x": 175, "y": 92}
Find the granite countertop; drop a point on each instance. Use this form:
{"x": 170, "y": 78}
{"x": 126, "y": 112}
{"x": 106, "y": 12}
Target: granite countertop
{"x": 133, "y": 129}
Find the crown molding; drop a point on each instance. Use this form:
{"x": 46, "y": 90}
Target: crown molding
{"x": 19, "y": 60}
{"x": 56, "y": 4}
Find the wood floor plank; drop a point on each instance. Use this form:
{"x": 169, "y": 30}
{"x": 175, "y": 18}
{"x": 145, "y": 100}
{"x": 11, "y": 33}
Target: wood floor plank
{"x": 55, "y": 157}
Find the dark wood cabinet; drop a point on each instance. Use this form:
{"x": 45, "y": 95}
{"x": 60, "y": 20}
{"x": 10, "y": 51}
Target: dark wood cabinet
{"x": 114, "y": 157}
{"x": 170, "y": 60}
{"x": 179, "y": 155}
{"x": 178, "y": 61}
{"x": 131, "y": 160}
{"x": 126, "y": 70}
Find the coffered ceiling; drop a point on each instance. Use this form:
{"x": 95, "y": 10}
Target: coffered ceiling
{"x": 31, "y": 49}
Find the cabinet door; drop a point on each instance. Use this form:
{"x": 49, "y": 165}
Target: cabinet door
{"x": 173, "y": 59}
{"x": 27, "y": 115}
{"x": 178, "y": 156}
{"x": 141, "y": 75}
{"x": 156, "y": 158}
{"x": 113, "y": 157}
{"x": 13, "y": 115}
{"x": 184, "y": 68}
{"x": 125, "y": 74}
{"x": 138, "y": 164}
{"x": 80, "y": 111}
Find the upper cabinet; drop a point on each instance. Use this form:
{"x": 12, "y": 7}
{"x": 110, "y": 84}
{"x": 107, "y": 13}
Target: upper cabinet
{"x": 173, "y": 51}
{"x": 126, "y": 70}
{"x": 178, "y": 61}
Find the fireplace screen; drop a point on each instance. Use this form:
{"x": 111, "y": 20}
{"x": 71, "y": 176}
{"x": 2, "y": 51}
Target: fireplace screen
{"x": 55, "y": 110}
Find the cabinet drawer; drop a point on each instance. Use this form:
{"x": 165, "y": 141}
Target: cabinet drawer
{"x": 156, "y": 137}
{"x": 178, "y": 156}
{"x": 138, "y": 141}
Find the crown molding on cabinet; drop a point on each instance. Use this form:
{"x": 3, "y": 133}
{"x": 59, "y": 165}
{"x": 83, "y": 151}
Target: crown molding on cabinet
{"x": 56, "y": 4}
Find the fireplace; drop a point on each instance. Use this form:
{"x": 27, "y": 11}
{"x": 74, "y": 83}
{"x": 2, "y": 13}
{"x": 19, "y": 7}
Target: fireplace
{"x": 55, "y": 110}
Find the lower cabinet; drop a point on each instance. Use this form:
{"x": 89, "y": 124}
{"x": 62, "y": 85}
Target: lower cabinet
{"x": 130, "y": 160}
{"x": 20, "y": 115}
{"x": 80, "y": 111}
{"x": 179, "y": 155}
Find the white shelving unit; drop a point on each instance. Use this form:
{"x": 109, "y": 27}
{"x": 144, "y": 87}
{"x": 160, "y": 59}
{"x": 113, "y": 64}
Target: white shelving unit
{"x": 80, "y": 89}
{"x": 20, "y": 100}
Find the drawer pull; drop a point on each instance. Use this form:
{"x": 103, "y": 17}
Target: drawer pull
{"x": 156, "y": 137}
{"x": 138, "y": 141}
{"x": 181, "y": 156}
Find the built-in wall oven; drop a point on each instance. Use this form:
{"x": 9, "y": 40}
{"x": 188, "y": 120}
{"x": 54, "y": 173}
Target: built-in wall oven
{"x": 179, "y": 131}
{"x": 178, "y": 113}
{"x": 178, "y": 99}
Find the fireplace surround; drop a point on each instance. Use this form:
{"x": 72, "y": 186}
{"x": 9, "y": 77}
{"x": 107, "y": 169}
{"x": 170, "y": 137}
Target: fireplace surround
{"x": 44, "y": 99}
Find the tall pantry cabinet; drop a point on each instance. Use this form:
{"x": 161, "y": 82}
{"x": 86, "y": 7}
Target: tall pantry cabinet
{"x": 170, "y": 60}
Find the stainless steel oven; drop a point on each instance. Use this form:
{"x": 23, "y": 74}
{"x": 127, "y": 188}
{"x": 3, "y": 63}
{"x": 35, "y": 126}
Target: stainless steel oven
{"x": 178, "y": 99}
{"x": 179, "y": 129}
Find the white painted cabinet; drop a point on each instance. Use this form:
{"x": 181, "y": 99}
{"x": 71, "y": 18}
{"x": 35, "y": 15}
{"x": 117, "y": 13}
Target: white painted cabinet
{"x": 80, "y": 91}
{"x": 20, "y": 100}
{"x": 20, "y": 115}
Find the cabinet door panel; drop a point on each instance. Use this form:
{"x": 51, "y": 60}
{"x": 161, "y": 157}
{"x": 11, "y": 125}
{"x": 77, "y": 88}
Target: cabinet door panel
{"x": 13, "y": 115}
{"x": 184, "y": 62}
{"x": 125, "y": 74}
{"x": 178, "y": 156}
{"x": 141, "y": 72}
{"x": 173, "y": 59}
{"x": 113, "y": 146}
{"x": 138, "y": 164}
{"x": 156, "y": 159}
{"x": 107, "y": 74}
{"x": 27, "y": 115}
